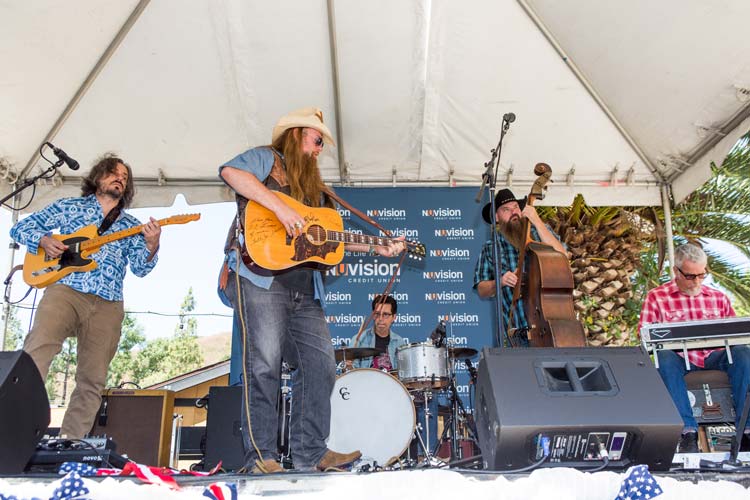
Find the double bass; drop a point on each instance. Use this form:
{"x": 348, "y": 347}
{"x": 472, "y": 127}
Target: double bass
{"x": 546, "y": 285}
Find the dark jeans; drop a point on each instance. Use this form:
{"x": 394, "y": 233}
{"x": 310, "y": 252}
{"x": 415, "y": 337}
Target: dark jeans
{"x": 282, "y": 322}
{"x": 672, "y": 371}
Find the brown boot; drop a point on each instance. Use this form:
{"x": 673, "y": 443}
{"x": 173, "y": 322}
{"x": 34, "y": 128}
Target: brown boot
{"x": 335, "y": 460}
{"x": 268, "y": 466}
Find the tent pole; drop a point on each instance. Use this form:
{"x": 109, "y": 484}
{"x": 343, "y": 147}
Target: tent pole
{"x": 100, "y": 64}
{"x": 336, "y": 91}
{"x": 667, "y": 206}
{"x": 11, "y": 259}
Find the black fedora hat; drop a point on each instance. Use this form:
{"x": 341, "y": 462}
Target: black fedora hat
{"x": 501, "y": 198}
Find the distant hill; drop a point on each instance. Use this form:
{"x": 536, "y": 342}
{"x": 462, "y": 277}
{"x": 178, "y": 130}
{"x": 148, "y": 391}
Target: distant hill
{"x": 215, "y": 347}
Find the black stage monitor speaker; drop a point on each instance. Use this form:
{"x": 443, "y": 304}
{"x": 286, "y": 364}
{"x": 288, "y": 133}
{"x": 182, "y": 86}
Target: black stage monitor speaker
{"x": 24, "y": 410}
{"x": 139, "y": 421}
{"x": 223, "y": 429}
{"x": 572, "y": 402}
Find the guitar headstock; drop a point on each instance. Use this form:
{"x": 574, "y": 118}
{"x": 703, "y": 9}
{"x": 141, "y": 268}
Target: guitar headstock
{"x": 181, "y": 219}
{"x": 544, "y": 173}
{"x": 416, "y": 250}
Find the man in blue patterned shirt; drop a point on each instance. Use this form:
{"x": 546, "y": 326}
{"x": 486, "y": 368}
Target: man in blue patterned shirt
{"x": 510, "y": 238}
{"x": 87, "y": 305}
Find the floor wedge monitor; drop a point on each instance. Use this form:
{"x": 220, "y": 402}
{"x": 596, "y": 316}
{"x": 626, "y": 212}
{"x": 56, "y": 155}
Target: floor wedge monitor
{"x": 573, "y": 406}
{"x": 24, "y": 410}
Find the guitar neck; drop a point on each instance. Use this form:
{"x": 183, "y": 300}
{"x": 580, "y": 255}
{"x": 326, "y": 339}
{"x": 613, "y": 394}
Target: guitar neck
{"x": 362, "y": 239}
{"x": 125, "y": 233}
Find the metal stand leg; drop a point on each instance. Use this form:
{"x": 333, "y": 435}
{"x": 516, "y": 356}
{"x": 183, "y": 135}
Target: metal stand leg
{"x": 735, "y": 448}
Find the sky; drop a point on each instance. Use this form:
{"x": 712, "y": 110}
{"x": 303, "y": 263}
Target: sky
{"x": 190, "y": 255}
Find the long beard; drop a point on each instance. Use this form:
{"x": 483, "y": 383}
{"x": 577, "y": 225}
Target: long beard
{"x": 303, "y": 176}
{"x": 513, "y": 231}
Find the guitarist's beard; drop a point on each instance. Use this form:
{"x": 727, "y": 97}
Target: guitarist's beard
{"x": 302, "y": 172}
{"x": 512, "y": 231}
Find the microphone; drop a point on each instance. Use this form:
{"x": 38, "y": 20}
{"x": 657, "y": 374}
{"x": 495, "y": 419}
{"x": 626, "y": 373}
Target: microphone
{"x": 63, "y": 156}
{"x": 509, "y": 117}
{"x": 472, "y": 371}
{"x": 438, "y": 335}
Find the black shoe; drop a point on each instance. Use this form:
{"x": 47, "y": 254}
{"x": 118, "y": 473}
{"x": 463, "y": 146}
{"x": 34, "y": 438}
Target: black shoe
{"x": 688, "y": 443}
{"x": 745, "y": 442}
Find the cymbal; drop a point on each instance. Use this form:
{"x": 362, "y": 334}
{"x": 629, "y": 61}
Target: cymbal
{"x": 350, "y": 353}
{"x": 462, "y": 352}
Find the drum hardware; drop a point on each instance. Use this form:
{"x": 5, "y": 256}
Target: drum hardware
{"x": 285, "y": 414}
{"x": 345, "y": 354}
{"x": 458, "y": 413}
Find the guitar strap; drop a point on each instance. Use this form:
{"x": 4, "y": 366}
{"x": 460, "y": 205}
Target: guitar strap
{"x": 108, "y": 220}
{"x": 356, "y": 211}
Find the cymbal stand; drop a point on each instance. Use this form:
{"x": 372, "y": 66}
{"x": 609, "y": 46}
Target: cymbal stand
{"x": 285, "y": 409}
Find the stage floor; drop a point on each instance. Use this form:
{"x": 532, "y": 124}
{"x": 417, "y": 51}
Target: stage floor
{"x": 548, "y": 483}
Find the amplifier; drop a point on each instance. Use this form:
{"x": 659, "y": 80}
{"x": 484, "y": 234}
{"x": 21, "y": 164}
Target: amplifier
{"x": 140, "y": 421}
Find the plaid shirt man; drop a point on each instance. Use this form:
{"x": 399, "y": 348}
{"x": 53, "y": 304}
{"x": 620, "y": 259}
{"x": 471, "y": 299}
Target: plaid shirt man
{"x": 666, "y": 304}
{"x": 485, "y": 271}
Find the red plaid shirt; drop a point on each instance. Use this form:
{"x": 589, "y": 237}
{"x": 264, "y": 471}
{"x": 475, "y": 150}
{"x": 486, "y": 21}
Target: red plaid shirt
{"x": 666, "y": 304}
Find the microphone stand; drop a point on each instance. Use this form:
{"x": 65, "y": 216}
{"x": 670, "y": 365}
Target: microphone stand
{"x": 30, "y": 181}
{"x": 490, "y": 178}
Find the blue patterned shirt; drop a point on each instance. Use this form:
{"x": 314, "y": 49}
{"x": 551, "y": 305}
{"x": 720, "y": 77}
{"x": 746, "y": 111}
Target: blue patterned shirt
{"x": 68, "y": 215}
{"x": 485, "y": 271}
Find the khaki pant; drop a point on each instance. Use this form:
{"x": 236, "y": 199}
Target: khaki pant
{"x": 97, "y": 323}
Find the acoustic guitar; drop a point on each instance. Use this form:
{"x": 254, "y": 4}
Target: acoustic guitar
{"x": 319, "y": 245}
{"x": 41, "y": 270}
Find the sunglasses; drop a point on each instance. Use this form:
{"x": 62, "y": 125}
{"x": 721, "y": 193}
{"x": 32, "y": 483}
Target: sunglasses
{"x": 318, "y": 140}
{"x": 691, "y": 277}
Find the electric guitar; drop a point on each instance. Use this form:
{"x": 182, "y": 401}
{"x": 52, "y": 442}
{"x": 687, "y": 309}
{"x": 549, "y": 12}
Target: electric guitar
{"x": 41, "y": 270}
{"x": 318, "y": 246}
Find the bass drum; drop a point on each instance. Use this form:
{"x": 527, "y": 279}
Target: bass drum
{"x": 371, "y": 412}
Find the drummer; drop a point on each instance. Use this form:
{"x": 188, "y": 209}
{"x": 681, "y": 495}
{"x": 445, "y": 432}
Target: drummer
{"x": 380, "y": 336}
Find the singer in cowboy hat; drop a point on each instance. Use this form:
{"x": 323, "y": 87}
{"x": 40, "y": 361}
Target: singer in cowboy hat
{"x": 510, "y": 212}
{"x": 282, "y": 315}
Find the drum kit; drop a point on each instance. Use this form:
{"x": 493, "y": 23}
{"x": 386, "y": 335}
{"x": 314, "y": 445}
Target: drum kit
{"x": 374, "y": 411}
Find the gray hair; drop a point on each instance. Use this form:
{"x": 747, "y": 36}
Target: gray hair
{"x": 690, "y": 252}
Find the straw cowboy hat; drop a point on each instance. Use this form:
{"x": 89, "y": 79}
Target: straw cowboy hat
{"x": 305, "y": 118}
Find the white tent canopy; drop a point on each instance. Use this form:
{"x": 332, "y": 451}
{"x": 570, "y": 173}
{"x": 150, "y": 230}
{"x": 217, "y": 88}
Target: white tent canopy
{"x": 619, "y": 97}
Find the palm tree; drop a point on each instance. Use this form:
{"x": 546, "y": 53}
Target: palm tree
{"x": 617, "y": 253}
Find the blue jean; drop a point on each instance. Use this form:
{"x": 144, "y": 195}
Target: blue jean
{"x": 672, "y": 371}
{"x": 433, "y": 426}
{"x": 285, "y": 323}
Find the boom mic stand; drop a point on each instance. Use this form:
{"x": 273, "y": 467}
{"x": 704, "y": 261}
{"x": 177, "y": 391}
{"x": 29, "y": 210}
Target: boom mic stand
{"x": 489, "y": 178}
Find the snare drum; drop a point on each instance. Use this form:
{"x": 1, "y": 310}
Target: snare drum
{"x": 371, "y": 412}
{"x": 422, "y": 366}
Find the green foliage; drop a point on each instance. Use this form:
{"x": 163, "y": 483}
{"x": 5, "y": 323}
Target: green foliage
{"x": 62, "y": 371}
{"x": 123, "y": 366}
{"x": 13, "y": 330}
{"x": 717, "y": 211}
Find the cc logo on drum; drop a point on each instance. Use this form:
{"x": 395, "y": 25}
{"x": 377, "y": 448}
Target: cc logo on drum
{"x": 344, "y": 393}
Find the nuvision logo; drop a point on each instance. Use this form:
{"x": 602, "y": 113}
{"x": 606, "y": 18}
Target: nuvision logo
{"x": 442, "y": 213}
{"x": 388, "y": 213}
{"x": 345, "y": 319}
{"x": 455, "y": 233}
{"x": 444, "y": 276}
{"x": 453, "y": 253}
{"x": 446, "y": 297}
{"x": 338, "y": 298}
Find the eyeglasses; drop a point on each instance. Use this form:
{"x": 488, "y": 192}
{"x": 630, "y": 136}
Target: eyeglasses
{"x": 382, "y": 315}
{"x": 691, "y": 277}
{"x": 318, "y": 140}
